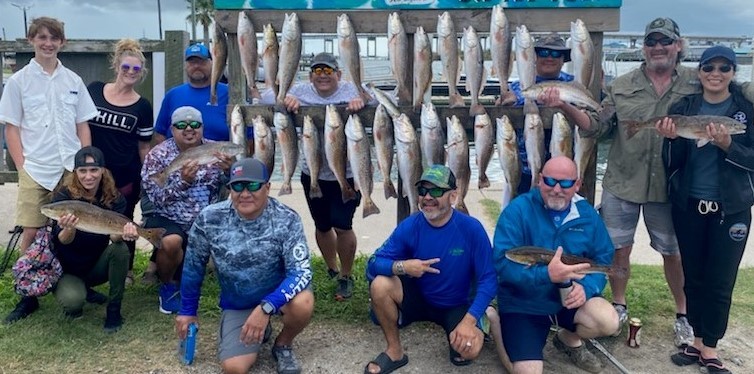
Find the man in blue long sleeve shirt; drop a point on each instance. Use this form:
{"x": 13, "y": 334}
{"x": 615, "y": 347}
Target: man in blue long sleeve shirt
{"x": 263, "y": 267}
{"x": 426, "y": 270}
{"x": 552, "y": 216}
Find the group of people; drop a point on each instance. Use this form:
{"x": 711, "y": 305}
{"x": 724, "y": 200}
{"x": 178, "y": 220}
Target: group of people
{"x": 438, "y": 265}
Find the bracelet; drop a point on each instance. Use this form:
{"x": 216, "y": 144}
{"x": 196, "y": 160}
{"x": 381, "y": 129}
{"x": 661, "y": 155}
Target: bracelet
{"x": 399, "y": 269}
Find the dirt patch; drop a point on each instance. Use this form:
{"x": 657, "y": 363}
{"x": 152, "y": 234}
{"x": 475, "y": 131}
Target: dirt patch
{"x": 332, "y": 347}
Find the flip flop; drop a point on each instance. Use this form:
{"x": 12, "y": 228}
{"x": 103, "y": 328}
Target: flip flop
{"x": 386, "y": 364}
{"x": 456, "y": 359}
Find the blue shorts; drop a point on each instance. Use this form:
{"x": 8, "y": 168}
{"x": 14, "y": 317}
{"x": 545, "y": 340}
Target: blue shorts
{"x": 525, "y": 335}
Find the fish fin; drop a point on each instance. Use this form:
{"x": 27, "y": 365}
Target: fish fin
{"x": 702, "y": 142}
{"x": 160, "y": 178}
{"x": 369, "y": 208}
{"x": 153, "y": 235}
{"x": 632, "y": 127}
{"x": 461, "y": 207}
{"x": 389, "y": 189}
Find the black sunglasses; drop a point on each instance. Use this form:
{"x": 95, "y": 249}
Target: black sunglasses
{"x": 724, "y": 68}
{"x": 249, "y": 186}
{"x": 434, "y": 191}
{"x": 564, "y": 183}
{"x": 649, "y": 42}
{"x": 181, "y": 125}
{"x": 544, "y": 53}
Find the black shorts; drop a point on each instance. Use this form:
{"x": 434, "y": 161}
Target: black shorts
{"x": 530, "y": 332}
{"x": 415, "y": 308}
{"x": 329, "y": 210}
{"x": 155, "y": 221}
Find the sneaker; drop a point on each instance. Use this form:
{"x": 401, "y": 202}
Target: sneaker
{"x": 170, "y": 298}
{"x": 332, "y": 274}
{"x": 622, "y": 317}
{"x": 345, "y": 288}
{"x": 113, "y": 320}
{"x": 95, "y": 297}
{"x": 286, "y": 359}
{"x": 25, "y": 307}
{"x": 580, "y": 356}
{"x": 684, "y": 333}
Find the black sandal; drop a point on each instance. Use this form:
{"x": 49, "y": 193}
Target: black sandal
{"x": 713, "y": 365}
{"x": 687, "y": 356}
{"x": 386, "y": 364}
{"x": 456, "y": 359}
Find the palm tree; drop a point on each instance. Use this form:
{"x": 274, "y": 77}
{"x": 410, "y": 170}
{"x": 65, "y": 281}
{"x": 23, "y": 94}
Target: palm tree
{"x": 205, "y": 15}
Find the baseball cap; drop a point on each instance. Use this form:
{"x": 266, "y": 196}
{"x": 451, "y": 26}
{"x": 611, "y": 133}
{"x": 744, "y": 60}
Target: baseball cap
{"x": 326, "y": 59}
{"x": 664, "y": 26}
{"x": 198, "y": 50}
{"x": 439, "y": 175}
{"x": 80, "y": 159}
{"x": 712, "y": 53}
{"x": 248, "y": 170}
{"x": 555, "y": 42}
{"x": 186, "y": 113}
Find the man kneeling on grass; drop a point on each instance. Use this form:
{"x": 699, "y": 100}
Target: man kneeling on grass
{"x": 425, "y": 272}
{"x": 263, "y": 267}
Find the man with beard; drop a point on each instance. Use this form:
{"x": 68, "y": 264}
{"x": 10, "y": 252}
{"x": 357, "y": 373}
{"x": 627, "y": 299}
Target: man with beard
{"x": 426, "y": 271}
{"x": 635, "y": 178}
{"x": 333, "y": 217}
{"x": 553, "y": 216}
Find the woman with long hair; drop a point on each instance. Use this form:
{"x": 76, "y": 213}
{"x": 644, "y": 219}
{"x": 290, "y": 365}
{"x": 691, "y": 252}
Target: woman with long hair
{"x": 711, "y": 188}
{"x": 123, "y": 128}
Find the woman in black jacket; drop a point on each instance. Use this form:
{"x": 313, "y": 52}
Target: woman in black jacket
{"x": 712, "y": 191}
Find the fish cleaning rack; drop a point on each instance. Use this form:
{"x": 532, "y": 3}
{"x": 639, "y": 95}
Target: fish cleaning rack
{"x": 537, "y": 15}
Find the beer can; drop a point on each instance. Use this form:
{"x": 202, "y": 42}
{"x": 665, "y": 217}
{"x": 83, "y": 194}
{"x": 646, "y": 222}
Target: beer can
{"x": 634, "y": 333}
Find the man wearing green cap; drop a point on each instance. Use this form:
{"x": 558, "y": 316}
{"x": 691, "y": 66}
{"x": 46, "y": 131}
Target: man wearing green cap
{"x": 425, "y": 272}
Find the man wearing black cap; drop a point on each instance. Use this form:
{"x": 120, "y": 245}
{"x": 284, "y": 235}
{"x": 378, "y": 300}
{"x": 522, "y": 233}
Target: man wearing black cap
{"x": 552, "y": 53}
{"x": 425, "y": 272}
{"x": 263, "y": 266}
{"x": 333, "y": 218}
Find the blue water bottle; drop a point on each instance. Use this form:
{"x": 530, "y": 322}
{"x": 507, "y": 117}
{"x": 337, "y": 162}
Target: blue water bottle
{"x": 187, "y": 346}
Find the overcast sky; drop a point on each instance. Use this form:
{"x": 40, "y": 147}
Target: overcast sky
{"x": 139, "y": 18}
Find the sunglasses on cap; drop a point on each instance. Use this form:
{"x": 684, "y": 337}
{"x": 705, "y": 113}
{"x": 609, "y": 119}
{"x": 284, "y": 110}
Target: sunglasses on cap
{"x": 323, "y": 69}
{"x": 126, "y": 67}
{"x": 564, "y": 183}
{"x": 544, "y": 53}
{"x": 724, "y": 68}
{"x": 181, "y": 125}
{"x": 649, "y": 42}
{"x": 248, "y": 186}
{"x": 434, "y": 191}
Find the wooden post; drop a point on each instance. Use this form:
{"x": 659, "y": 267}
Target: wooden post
{"x": 175, "y": 46}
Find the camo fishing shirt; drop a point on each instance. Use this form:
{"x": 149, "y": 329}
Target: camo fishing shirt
{"x": 266, "y": 258}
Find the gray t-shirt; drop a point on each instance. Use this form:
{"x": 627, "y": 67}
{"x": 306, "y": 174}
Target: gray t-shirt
{"x": 705, "y": 179}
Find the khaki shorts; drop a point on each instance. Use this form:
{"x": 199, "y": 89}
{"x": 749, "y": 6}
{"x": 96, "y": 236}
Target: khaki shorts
{"x": 621, "y": 217}
{"x": 31, "y": 197}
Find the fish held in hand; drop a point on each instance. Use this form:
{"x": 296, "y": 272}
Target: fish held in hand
{"x": 530, "y": 256}
{"x": 97, "y": 220}
{"x": 203, "y": 155}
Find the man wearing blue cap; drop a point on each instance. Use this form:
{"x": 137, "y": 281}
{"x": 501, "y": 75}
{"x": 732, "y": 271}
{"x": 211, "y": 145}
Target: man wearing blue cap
{"x": 425, "y": 272}
{"x": 263, "y": 267}
{"x": 195, "y": 93}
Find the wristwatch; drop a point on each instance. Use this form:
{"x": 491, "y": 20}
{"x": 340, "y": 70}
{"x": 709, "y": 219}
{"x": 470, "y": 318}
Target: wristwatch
{"x": 267, "y": 308}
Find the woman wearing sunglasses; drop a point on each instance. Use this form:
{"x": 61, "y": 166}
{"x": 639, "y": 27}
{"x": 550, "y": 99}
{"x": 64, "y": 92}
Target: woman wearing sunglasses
{"x": 123, "y": 127}
{"x": 712, "y": 193}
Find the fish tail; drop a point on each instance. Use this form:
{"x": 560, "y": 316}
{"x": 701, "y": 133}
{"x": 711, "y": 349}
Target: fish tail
{"x": 456, "y": 101}
{"x": 484, "y": 181}
{"x": 285, "y": 189}
{"x": 389, "y": 188}
{"x": 347, "y": 193}
{"x": 314, "y": 190}
{"x": 404, "y": 96}
{"x": 461, "y": 207}
{"x": 154, "y": 235}
{"x": 369, "y": 208}
{"x": 476, "y": 109}
{"x": 632, "y": 127}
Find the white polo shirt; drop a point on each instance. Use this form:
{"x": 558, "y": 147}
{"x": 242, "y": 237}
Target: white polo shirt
{"x": 47, "y": 108}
